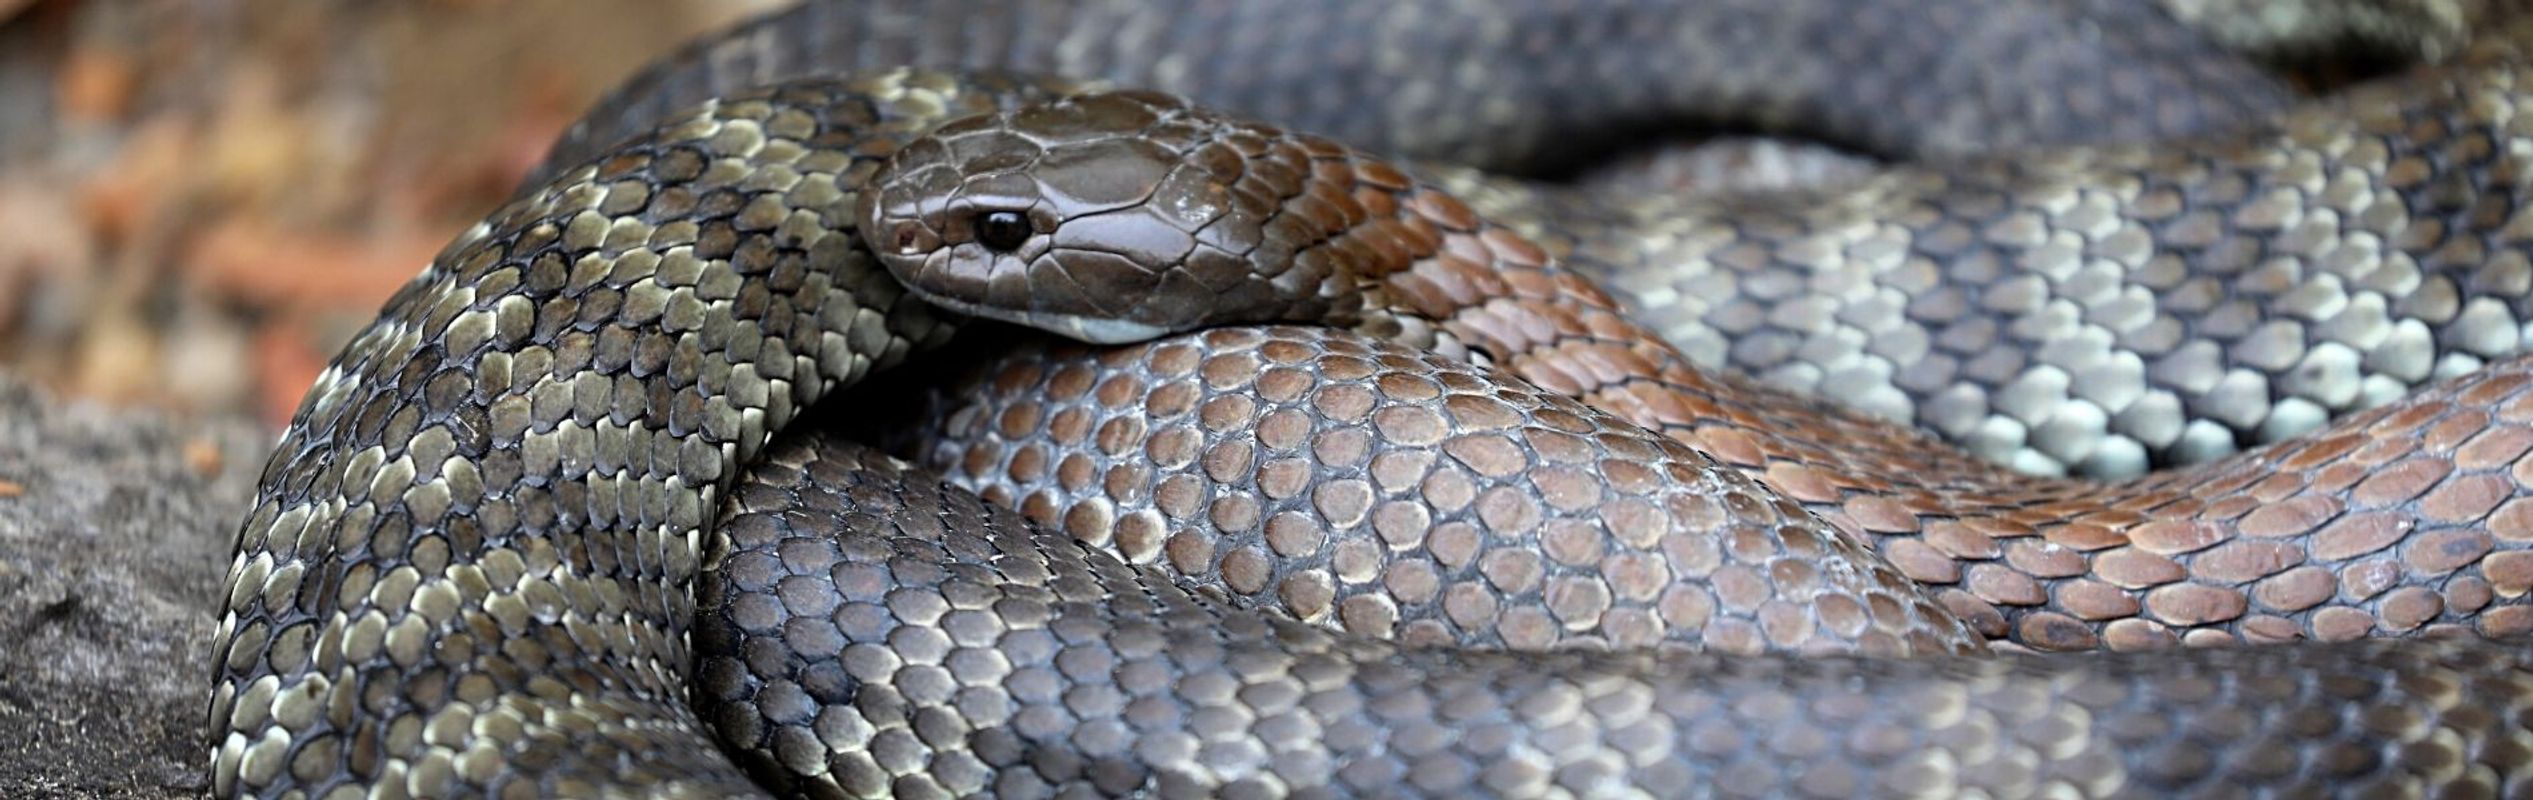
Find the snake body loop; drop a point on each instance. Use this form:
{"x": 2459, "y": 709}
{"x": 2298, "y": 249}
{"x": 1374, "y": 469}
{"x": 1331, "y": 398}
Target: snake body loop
{"x": 2101, "y": 310}
{"x": 484, "y": 544}
{"x": 1531, "y": 85}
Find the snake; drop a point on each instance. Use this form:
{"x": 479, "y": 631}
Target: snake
{"x": 490, "y": 554}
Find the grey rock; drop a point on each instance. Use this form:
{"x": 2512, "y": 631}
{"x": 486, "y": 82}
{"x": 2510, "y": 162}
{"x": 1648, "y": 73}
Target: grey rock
{"x": 114, "y": 537}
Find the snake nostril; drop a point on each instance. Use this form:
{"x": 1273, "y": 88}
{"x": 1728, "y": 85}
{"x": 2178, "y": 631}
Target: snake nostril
{"x": 1002, "y": 231}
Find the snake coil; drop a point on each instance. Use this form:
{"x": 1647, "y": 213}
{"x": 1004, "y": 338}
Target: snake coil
{"x": 554, "y": 491}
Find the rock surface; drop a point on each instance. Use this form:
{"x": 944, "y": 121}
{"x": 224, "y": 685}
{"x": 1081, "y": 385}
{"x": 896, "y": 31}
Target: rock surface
{"x": 115, "y": 530}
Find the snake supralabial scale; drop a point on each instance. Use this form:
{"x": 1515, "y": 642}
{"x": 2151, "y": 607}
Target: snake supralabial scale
{"x": 470, "y": 569}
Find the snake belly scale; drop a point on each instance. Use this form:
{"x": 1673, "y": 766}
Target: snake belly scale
{"x": 484, "y": 542}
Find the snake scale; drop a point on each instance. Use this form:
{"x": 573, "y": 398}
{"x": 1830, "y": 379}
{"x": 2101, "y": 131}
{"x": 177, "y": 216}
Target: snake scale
{"x": 491, "y": 554}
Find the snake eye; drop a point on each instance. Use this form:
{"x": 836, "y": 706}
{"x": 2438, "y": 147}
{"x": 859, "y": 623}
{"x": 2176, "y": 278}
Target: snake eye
{"x": 1002, "y": 231}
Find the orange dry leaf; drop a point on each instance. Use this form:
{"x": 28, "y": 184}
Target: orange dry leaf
{"x": 301, "y": 275}
{"x": 40, "y": 240}
{"x": 96, "y": 84}
{"x": 271, "y": 267}
{"x": 285, "y": 366}
{"x": 149, "y": 176}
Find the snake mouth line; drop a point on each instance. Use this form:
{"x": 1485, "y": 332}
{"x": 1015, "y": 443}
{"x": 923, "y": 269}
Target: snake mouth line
{"x": 1081, "y": 327}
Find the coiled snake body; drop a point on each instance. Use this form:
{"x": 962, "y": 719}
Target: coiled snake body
{"x": 486, "y": 540}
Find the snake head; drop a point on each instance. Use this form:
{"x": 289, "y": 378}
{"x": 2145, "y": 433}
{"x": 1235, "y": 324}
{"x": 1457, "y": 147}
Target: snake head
{"x": 1111, "y": 217}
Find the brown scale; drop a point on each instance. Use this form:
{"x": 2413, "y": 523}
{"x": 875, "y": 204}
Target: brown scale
{"x": 2398, "y": 521}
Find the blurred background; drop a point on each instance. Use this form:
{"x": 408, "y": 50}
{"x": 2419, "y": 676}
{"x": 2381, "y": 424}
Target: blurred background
{"x": 200, "y": 200}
